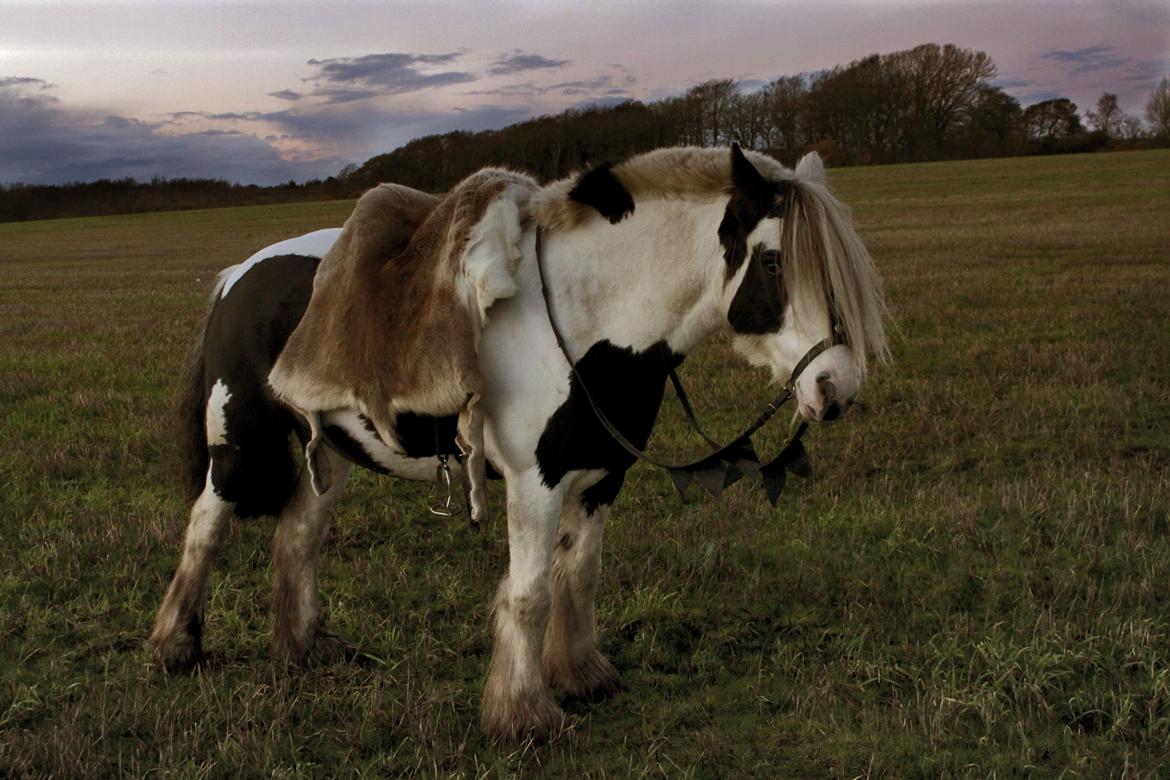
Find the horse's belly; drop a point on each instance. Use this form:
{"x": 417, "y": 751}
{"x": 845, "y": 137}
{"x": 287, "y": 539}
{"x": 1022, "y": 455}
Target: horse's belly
{"x": 353, "y": 436}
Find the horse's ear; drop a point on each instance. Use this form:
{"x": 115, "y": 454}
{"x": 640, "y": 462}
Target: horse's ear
{"x": 600, "y": 188}
{"x": 747, "y": 179}
{"x": 811, "y": 167}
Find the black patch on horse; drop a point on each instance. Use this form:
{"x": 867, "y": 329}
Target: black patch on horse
{"x": 416, "y": 435}
{"x": 758, "y": 305}
{"x": 600, "y": 189}
{"x": 753, "y": 198}
{"x": 246, "y": 331}
{"x": 418, "y": 438}
{"x": 628, "y": 387}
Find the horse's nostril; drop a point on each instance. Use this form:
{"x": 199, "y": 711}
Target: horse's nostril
{"x": 826, "y": 386}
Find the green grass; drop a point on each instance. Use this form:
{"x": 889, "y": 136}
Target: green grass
{"x": 975, "y": 582}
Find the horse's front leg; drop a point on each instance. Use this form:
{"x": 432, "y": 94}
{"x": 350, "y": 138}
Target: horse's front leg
{"x": 572, "y": 663}
{"x": 516, "y": 701}
{"x": 298, "y": 626}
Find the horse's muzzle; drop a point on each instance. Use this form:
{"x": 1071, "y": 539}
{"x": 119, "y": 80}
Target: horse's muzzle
{"x": 831, "y": 405}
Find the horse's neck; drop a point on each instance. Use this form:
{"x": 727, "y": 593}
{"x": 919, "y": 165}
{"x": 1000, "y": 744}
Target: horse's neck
{"x": 652, "y": 278}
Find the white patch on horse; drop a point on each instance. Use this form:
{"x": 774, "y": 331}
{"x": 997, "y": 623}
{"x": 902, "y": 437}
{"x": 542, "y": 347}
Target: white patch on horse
{"x": 217, "y": 402}
{"x": 315, "y": 244}
{"x": 493, "y": 253}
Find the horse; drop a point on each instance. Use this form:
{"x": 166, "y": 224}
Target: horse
{"x": 643, "y": 261}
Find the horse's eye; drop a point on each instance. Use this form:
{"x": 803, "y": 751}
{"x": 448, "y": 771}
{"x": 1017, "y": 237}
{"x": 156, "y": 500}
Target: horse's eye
{"x": 772, "y": 262}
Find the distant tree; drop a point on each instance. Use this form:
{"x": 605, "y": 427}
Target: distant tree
{"x": 1108, "y": 116}
{"x": 712, "y": 104}
{"x": 746, "y": 120}
{"x": 992, "y": 125}
{"x": 1158, "y": 110}
{"x": 942, "y": 84}
{"x": 1131, "y": 128}
{"x": 1052, "y": 119}
{"x": 783, "y": 106}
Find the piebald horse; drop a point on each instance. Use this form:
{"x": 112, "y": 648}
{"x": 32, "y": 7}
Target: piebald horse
{"x": 644, "y": 261}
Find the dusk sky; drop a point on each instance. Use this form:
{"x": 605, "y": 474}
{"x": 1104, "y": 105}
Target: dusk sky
{"x": 266, "y": 91}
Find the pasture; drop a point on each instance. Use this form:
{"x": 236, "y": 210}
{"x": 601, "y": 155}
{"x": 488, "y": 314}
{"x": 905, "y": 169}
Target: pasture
{"x": 974, "y": 582}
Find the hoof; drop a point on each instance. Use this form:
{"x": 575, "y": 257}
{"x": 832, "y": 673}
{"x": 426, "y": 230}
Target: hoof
{"x": 591, "y": 678}
{"x": 329, "y": 648}
{"x": 177, "y": 654}
{"x": 536, "y": 717}
{"x": 320, "y": 649}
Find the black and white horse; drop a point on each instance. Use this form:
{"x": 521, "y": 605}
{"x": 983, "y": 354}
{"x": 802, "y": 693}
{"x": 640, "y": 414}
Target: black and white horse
{"x": 645, "y": 261}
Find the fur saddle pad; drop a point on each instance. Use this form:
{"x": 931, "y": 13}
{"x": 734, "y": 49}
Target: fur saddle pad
{"x": 397, "y": 309}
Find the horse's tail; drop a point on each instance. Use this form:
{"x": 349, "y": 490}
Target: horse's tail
{"x": 829, "y": 263}
{"x": 194, "y": 456}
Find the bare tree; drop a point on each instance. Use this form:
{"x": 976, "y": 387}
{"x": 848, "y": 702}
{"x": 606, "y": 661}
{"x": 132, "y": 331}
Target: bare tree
{"x": 747, "y": 121}
{"x": 1158, "y": 110}
{"x": 713, "y": 101}
{"x": 942, "y": 83}
{"x": 1131, "y": 128}
{"x": 783, "y": 105}
{"x": 1108, "y": 117}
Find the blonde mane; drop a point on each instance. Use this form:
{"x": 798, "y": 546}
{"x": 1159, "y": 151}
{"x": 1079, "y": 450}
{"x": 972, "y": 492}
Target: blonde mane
{"x": 827, "y": 264}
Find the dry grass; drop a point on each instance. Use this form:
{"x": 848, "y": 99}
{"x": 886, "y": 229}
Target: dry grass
{"x": 974, "y": 583}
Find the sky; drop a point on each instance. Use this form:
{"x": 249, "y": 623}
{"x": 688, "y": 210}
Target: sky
{"x": 264, "y": 91}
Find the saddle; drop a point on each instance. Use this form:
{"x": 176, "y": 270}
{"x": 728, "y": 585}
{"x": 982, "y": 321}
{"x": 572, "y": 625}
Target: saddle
{"x": 398, "y": 305}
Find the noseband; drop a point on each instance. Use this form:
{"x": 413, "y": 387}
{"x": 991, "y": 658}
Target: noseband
{"x": 728, "y": 463}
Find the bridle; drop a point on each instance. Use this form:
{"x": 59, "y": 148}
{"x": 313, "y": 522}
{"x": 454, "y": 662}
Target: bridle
{"x": 727, "y": 463}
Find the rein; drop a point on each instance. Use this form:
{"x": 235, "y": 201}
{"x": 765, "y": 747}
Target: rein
{"x": 725, "y": 464}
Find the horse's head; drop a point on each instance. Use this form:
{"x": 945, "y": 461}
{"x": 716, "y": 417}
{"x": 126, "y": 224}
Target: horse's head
{"x": 796, "y": 275}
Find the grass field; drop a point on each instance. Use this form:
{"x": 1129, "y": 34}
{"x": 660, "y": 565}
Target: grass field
{"x": 975, "y": 582}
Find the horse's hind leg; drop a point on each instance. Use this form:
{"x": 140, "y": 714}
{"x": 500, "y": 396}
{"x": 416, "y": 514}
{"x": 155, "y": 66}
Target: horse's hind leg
{"x": 298, "y": 630}
{"x": 178, "y": 628}
{"x": 571, "y": 662}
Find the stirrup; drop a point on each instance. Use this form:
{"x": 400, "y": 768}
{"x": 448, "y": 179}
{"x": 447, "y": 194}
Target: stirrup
{"x": 449, "y": 507}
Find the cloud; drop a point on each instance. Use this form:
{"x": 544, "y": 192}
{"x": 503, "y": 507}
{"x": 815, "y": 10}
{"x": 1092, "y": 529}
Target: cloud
{"x": 286, "y": 94}
{"x": 1006, "y": 84}
{"x": 367, "y": 129}
{"x": 606, "y": 85}
{"x": 1087, "y": 59}
{"x": 20, "y": 82}
{"x": 392, "y": 73}
{"x": 519, "y": 61}
{"x": 332, "y": 96}
{"x": 1039, "y": 96}
{"x": 1147, "y": 73}
{"x": 40, "y": 142}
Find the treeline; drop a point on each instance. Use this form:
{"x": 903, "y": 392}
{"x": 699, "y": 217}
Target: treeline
{"x": 927, "y": 103}
{"x": 126, "y": 196}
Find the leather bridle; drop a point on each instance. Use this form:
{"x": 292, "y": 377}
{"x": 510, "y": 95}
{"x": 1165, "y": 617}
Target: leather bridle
{"x": 727, "y": 463}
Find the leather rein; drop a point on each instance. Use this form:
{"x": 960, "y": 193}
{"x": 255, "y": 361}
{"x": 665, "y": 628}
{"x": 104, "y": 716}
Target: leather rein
{"x": 727, "y": 463}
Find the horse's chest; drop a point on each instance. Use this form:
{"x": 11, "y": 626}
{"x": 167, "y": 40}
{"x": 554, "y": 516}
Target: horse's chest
{"x": 627, "y": 386}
